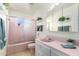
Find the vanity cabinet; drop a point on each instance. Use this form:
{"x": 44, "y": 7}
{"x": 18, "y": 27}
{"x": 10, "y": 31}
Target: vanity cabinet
{"x": 44, "y": 50}
{"x": 55, "y": 52}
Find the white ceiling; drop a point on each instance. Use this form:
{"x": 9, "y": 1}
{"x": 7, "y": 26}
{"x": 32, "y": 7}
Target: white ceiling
{"x": 34, "y": 10}
{"x": 31, "y": 9}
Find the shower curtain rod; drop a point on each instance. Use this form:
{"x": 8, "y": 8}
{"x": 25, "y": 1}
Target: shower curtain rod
{"x": 15, "y": 16}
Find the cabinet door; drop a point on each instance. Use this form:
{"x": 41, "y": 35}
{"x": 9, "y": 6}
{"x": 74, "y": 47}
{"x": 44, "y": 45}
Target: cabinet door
{"x": 37, "y": 48}
{"x": 42, "y": 49}
{"x": 55, "y": 52}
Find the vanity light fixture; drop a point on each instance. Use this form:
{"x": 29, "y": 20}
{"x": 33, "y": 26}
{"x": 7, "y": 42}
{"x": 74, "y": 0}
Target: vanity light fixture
{"x": 56, "y": 4}
{"x": 6, "y": 5}
{"x": 39, "y": 18}
{"x": 53, "y": 5}
{"x": 31, "y": 3}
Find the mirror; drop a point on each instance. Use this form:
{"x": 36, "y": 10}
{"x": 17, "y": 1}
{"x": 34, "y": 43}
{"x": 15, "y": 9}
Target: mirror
{"x": 64, "y": 18}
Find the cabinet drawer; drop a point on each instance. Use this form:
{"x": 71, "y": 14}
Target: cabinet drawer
{"x": 55, "y": 52}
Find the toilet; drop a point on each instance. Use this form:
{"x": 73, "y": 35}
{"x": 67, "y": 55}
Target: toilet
{"x": 31, "y": 47}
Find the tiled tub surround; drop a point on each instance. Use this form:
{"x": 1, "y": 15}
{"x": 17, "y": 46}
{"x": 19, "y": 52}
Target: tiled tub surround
{"x": 19, "y": 37}
{"x": 56, "y": 43}
{"x": 15, "y": 48}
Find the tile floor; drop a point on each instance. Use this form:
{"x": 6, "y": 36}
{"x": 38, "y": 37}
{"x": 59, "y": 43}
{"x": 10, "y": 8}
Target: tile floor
{"x": 23, "y": 53}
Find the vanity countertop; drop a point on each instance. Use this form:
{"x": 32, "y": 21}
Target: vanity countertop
{"x": 57, "y": 45}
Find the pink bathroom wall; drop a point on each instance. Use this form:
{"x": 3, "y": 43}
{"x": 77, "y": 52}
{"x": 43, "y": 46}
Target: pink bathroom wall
{"x": 21, "y": 33}
{"x": 15, "y": 33}
{"x": 29, "y": 31}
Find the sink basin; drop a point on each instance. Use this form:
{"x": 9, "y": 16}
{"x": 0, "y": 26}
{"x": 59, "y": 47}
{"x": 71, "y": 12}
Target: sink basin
{"x": 49, "y": 40}
{"x": 68, "y": 46}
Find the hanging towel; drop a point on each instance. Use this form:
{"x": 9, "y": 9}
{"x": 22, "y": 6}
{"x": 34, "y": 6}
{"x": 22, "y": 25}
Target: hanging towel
{"x": 2, "y": 34}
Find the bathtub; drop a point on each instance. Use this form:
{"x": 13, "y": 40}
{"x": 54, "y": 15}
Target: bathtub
{"x": 18, "y": 47}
